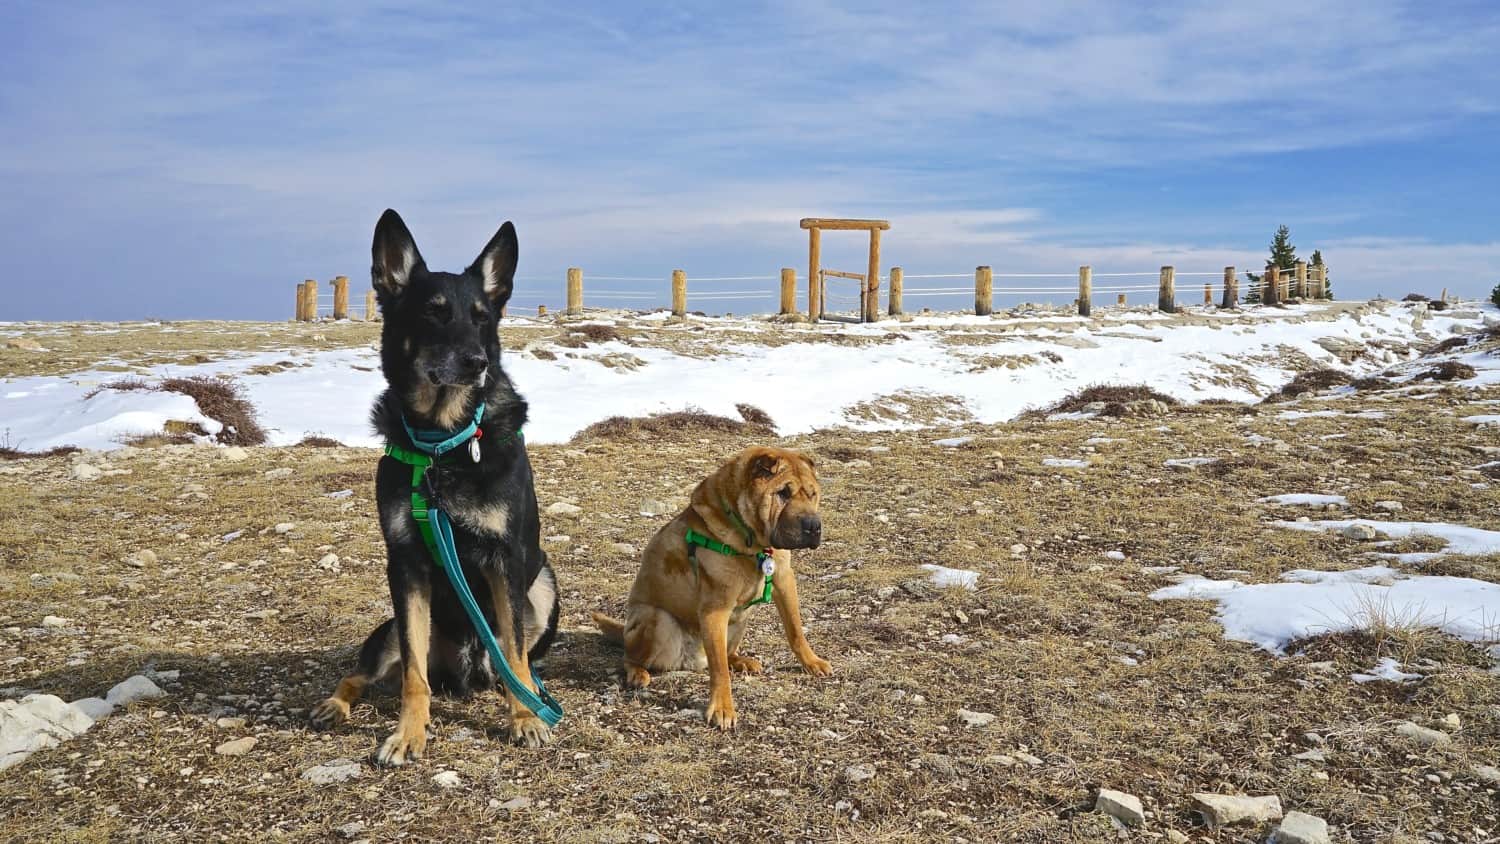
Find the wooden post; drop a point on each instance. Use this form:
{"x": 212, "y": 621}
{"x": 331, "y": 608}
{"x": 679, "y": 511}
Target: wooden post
{"x": 297, "y": 309}
{"x": 1302, "y": 291}
{"x": 1270, "y": 286}
{"x": 370, "y": 315}
{"x": 1208, "y": 293}
{"x": 541, "y": 310}
{"x": 1120, "y": 300}
{"x": 1231, "y": 289}
{"x": 788, "y": 290}
{"x": 575, "y": 290}
{"x": 679, "y": 293}
{"x": 341, "y": 297}
{"x": 1085, "y": 290}
{"x": 895, "y": 294}
{"x": 814, "y": 279}
{"x": 1322, "y": 282}
{"x": 984, "y": 291}
{"x": 312, "y": 299}
{"x": 871, "y": 299}
{"x": 1166, "y": 298}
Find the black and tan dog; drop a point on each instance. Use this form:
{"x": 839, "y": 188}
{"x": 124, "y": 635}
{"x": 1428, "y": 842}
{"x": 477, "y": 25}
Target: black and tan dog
{"x": 700, "y": 573}
{"x": 440, "y": 353}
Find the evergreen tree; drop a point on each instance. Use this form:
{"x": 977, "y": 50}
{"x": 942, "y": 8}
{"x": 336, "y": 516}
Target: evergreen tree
{"x": 1317, "y": 261}
{"x": 1283, "y": 255}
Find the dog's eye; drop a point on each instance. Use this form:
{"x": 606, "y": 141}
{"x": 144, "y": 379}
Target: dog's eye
{"x": 786, "y": 493}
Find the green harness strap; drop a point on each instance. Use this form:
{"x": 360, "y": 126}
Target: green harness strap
{"x": 696, "y": 540}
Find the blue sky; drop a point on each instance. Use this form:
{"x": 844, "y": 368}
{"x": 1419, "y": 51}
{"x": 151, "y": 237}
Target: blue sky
{"x": 182, "y": 160}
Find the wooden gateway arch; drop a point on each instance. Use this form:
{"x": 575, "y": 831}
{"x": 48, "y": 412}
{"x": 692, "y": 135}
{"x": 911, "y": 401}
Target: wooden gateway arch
{"x": 869, "y": 292}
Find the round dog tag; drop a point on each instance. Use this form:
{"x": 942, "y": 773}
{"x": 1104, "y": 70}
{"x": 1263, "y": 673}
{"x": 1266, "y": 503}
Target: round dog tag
{"x": 768, "y": 567}
{"x": 474, "y": 449}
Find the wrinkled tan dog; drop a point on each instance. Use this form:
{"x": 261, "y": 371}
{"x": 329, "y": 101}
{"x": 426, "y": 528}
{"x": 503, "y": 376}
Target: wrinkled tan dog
{"x": 729, "y": 550}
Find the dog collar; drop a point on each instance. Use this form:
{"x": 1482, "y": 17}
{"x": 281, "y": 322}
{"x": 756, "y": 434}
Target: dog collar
{"x": 438, "y": 443}
{"x": 696, "y": 540}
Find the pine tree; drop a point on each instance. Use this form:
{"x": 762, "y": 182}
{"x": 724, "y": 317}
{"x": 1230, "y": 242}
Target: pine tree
{"x": 1317, "y": 261}
{"x": 1283, "y": 255}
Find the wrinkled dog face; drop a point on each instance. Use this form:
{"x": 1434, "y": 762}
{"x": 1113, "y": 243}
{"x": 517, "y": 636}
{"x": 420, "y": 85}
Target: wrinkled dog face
{"x": 441, "y": 329}
{"x": 784, "y": 484}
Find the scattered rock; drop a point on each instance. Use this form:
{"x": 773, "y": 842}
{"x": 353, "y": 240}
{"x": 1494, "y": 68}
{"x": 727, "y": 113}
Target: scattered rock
{"x": 975, "y": 720}
{"x": 1301, "y": 828}
{"x": 95, "y": 707}
{"x": 1314, "y": 755}
{"x": 623, "y": 548}
{"x": 939, "y": 763}
{"x": 1488, "y": 773}
{"x": 1422, "y": 735}
{"x": 351, "y": 829}
{"x": 1359, "y": 532}
{"x": 86, "y": 472}
{"x": 329, "y": 562}
{"x": 515, "y": 804}
{"x": 1176, "y": 837}
{"x": 140, "y": 559}
{"x": 230, "y": 723}
{"x": 564, "y": 510}
{"x": 1451, "y": 721}
{"x": 859, "y": 773}
{"x": 447, "y": 779}
{"x": 278, "y": 474}
{"x": 1125, "y": 808}
{"x": 1018, "y": 549}
{"x": 1033, "y": 761}
{"x": 328, "y": 773}
{"x": 262, "y": 615}
{"x": 653, "y": 507}
{"x": 235, "y": 454}
{"x": 132, "y": 689}
{"x": 55, "y": 621}
{"x": 285, "y": 527}
{"x": 36, "y": 722}
{"x": 1389, "y": 507}
{"x": 237, "y": 747}
{"x": 1225, "y": 809}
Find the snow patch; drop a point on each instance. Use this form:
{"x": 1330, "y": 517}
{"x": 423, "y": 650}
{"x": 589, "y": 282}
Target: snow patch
{"x": 1305, "y": 499}
{"x": 946, "y": 578}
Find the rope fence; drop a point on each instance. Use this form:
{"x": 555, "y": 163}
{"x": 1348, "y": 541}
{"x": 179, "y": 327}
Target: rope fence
{"x": 1303, "y": 281}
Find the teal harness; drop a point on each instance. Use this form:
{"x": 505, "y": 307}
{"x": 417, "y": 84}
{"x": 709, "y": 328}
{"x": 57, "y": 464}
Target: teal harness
{"x": 696, "y": 540}
{"x": 437, "y": 534}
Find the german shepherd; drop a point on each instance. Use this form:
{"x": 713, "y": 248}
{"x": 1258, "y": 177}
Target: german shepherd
{"x": 440, "y": 353}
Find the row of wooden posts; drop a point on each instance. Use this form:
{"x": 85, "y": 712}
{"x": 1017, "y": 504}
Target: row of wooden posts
{"x": 1305, "y": 281}
{"x": 307, "y": 300}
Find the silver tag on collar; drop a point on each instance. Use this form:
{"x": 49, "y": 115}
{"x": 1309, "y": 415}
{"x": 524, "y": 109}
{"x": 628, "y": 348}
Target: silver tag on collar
{"x": 768, "y": 566}
{"x": 484, "y": 377}
{"x": 474, "y": 448}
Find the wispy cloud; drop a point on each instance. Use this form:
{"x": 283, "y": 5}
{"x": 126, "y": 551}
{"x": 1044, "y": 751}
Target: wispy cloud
{"x": 147, "y": 149}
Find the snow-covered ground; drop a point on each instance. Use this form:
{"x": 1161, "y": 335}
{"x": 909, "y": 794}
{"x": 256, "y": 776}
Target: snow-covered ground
{"x": 804, "y": 386}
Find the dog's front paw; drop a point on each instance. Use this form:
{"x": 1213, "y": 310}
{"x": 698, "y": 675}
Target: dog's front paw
{"x": 817, "y": 666}
{"x": 527, "y": 730}
{"x": 744, "y": 664}
{"x": 720, "y": 712}
{"x": 404, "y": 745}
{"x": 329, "y": 714}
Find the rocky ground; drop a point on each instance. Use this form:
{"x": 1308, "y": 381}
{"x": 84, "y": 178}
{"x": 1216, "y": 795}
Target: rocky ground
{"x": 238, "y": 583}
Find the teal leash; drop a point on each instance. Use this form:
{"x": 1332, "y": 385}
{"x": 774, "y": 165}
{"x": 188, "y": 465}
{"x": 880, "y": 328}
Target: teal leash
{"x": 437, "y": 534}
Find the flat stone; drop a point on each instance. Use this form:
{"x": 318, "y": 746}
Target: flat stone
{"x": 1126, "y": 808}
{"x": 975, "y": 720}
{"x": 234, "y": 454}
{"x": 37, "y": 722}
{"x": 237, "y": 747}
{"x": 447, "y": 779}
{"x": 132, "y": 689}
{"x": 1226, "y": 809}
{"x": 515, "y": 804}
{"x": 1302, "y": 828}
{"x": 564, "y": 510}
{"x": 94, "y": 707}
{"x": 230, "y": 723}
{"x": 1422, "y": 735}
{"x": 336, "y": 771}
{"x": 654, "y": 507}
{"x": 859, "y": 773}
{"x": 278, "y": 474}
{"x": 55, "y": 621}
{"x": 1359, "y": 532}
{"x": 1389, "y": 507}
{"x": 140, "y": 559}
{"x": 1488, "y": 773}
{"x": 86, "y": 472}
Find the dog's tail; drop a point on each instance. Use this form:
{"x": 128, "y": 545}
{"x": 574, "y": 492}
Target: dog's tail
{"x": 613, "y": 629}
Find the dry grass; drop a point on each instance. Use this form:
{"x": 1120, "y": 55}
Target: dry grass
{"x": 220, "y": 399}
{"x": 1448, "y": 370}
{"x": 677, "y": 424}
{"x": 1116, "y": 398}
{"x": 1039, "y": 644}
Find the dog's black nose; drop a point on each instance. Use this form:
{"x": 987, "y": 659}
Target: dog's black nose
{"x": 474, "y": 364}
{"x": 812, "y": 526}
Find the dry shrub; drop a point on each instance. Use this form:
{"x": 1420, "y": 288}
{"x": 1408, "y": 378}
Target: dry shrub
{"x": 678, "y": 422}
{"x": 582, "y": 335}
{"x": 319, "y": 441}
{"x": 1448, "y": 345}
{"x": 1372, "y": 382}
{"x": 8, "y": 453}
{"x": 755, "y": 416}
{"x": 1310, "y": 381}
{"x": 224, "y": 401}
{"x": 1448, "y": 370}
{"x": 1415, "y": 297}
{"x": 1115, "y": 397}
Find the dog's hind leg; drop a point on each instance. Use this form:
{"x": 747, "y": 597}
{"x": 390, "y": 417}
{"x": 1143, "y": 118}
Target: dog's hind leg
{"x": 413, "y": 600}
{"x": 380, "y": 654}
{"x": 525, "y": 727}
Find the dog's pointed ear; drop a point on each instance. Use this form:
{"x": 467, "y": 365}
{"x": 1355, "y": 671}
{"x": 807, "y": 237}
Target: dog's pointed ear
{"x": 394, "y": 256}
{"x": 496, "y": 265}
